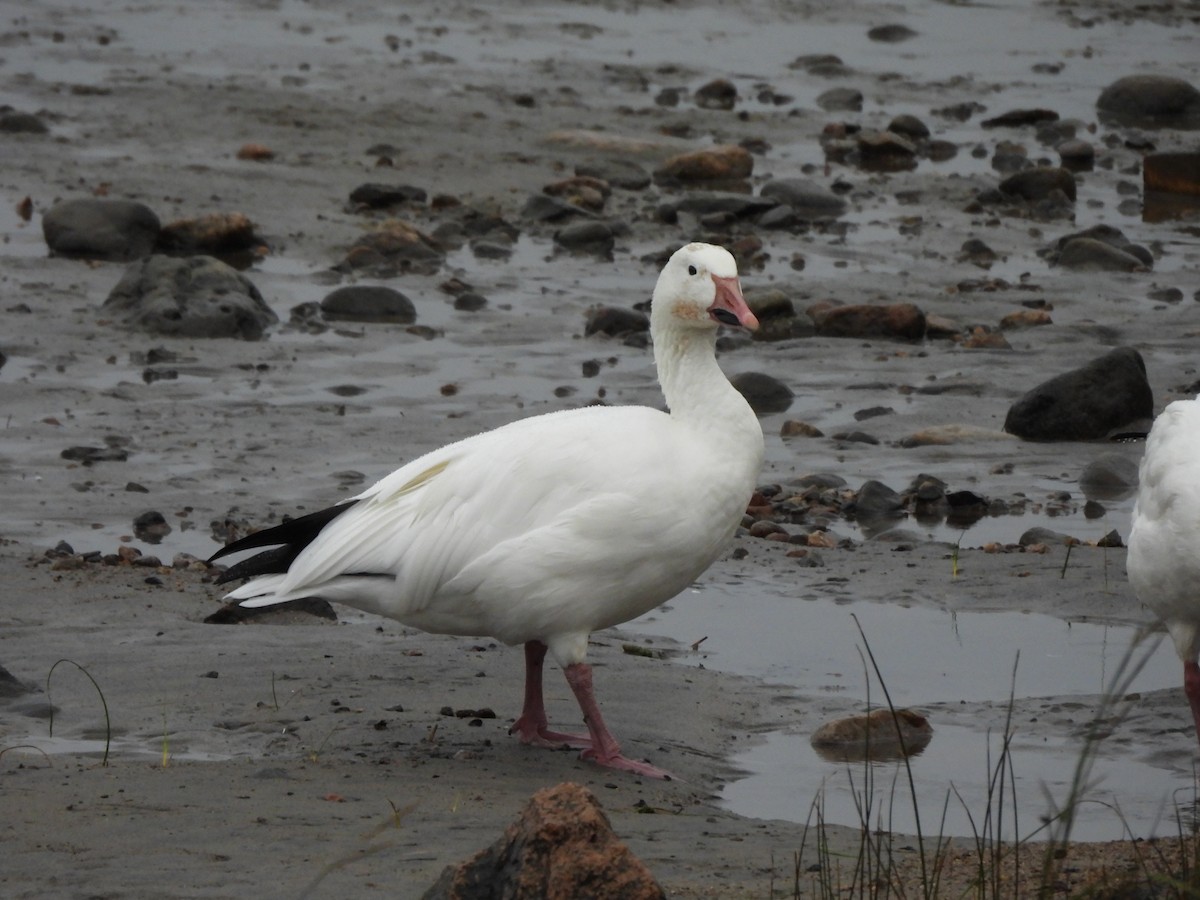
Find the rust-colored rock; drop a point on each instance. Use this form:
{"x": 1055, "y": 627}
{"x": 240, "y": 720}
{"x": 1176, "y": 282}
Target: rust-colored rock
{"x": 726, "y": 162}
{"x": 896, "y": 320}
{"x": 255, "y": 152}
{"x": 213, "y": 234}
{"x": 1176, "y": 173}
{"x": 395, "y": 244}
{"x": 1026, "y": 318}
{"x": 561, "y": 848}
{"x": 878, "y": 735}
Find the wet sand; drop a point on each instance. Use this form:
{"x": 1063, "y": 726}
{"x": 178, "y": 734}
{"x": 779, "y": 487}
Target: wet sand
{"x": 289, "y": 745}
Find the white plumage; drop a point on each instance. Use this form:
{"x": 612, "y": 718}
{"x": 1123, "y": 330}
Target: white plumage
{"x": 1164, "y": 542}
{"x": 546, "y": 529}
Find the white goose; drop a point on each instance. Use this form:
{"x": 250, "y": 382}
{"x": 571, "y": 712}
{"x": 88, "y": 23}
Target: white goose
{"x": 1164, "y": 542}
{"x": 546, "y": 529}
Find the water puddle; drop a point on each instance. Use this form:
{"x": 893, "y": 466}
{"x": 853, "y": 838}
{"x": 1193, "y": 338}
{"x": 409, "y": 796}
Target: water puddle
{"x": 942, "y": 663}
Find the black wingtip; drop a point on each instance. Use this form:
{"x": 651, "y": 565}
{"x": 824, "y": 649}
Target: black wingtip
{"x": 288, "y": 540}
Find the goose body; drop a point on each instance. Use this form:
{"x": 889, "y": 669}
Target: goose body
{"x": 548, "y": 528}
{"x": 1164, "y": 541}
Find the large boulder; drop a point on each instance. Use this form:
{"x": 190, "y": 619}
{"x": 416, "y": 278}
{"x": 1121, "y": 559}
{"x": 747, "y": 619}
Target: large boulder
{"x": 197, "y": 296}
{"x": 95, "y": 228}
{"x": 1151, "y": 100}
{"x": 561, "y": 848}
{"x": 1107, "y": 394}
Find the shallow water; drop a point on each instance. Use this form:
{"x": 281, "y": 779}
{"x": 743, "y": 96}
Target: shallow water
{"x": 948, "y": 664}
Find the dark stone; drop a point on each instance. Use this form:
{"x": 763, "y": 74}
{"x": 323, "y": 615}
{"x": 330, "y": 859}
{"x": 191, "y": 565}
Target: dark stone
{"x": 11, "y": 686}
{"x": 395, "y": 246}
{"x": 1037, "y": 183}
{"x": 620, "y": 173}
{"x": 898, "y": 320}
{"x": 469, "y": 301}
{"x": 382, "y": 196}
{"x": 615, "y": 321}
{"x": 151, "y": 527}
{"x": 13, "y": 122}
{"x": 1151, "y": 100}
{"x": 765, "y": 394}
{"x": 1106, "y": 395}
{"x": 807, "y": 199}
{"x": 890, "y": 34}
{"x": 561, "y": 846}
{"x": 717, "y": 94}
{"x": 876, "y": 500}
{"x": 841, "y": 99}
{"x": 368, "y": 303}
{"x": 1018, "y": 117}
{"x": 1080, "y": 250}
{"x": 193, "y": 297}
{"x": 1109, "y": 476}
{"x": 93, "y": 228}
{"x": 544, "y": 208}
{"x": 1039, "y": 535}
{"x": 739, "y": 206}
{"x": 909, "y": 126}
{"x": 586, "y": 237}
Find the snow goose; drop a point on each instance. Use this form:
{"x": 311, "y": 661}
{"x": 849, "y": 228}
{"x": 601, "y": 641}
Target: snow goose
{"x": 1164, "y": 542}
{"x": 549, "y": 528}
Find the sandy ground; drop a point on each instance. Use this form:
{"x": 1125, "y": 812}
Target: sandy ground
{"x": 264, "y": 758}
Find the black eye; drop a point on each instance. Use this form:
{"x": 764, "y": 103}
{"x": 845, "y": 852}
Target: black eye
{"x": 691, "y": 270}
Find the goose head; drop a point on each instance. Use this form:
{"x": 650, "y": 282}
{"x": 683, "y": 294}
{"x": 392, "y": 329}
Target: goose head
{"x": 699, "y": 289}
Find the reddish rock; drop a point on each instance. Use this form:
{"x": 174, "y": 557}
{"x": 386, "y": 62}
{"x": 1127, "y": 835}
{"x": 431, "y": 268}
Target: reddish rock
{"x": 582, "y": 191}
{"x": 561, "y": 848}
{"x": 1026, "y": 318}
{"x": 396, "y": 244}
{"x": 725, "y": 162}
{"x": 879, "y": 735}
{"x": 897, "y": 320}
{"x": 214, "y": 234}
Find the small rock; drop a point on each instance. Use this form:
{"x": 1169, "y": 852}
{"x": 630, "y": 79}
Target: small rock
{"x": 764, "y": 393}
{"x": 879, "y": 735}
{"x": 215, "y": 234}
{"x": 909, "y": 126}
{"x": 1110, "y": 476}
{"x": 193, "y": 297}
{"x": 586, "y": 237}
{"x": 897, "y": 320}
{"x": 1107, "y": 394}
{"x": 795, "y": 428}
{"x": 562, "y": 846}
{"x": 94, "y": 228}
{"x": 151, "y": 527}
{"x": 805, "y": 197}
{"x": 368, "y": 303}
{"x": 583, "y": 191}
{"x": 841, "y": 99}
{"x": 1077, "y": 155}
{"x": 1026, "y": 318}
{"x": 14, "y": 122}
{"x": 1018, "y": 117}
{"x": 1046, "y": 536}
{"x": 615, "y": 321}
{"x": 383, "y": 196}
{"x": 1085, "y": 254}
{"x": 721, "y": 163}
{"x": 890, "y": 34}
{"x": 875, "y": 500}
{"x": 620, "y": 173}
{"x": 717, "y": 94}
{"x": 1038, "y": 183}
{"x": 883, "y": 151}
{"x": 395, "y": 245}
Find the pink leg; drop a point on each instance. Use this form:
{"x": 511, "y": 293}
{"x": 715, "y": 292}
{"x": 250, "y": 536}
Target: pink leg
{"x": 1191, "y": 687}
{"x": 531, "y": 727}
{"x": 604, "y": 749}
